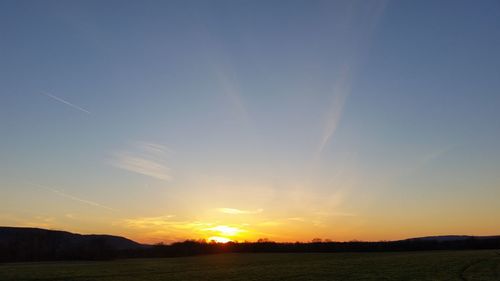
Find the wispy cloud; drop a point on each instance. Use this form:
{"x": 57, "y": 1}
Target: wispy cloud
{"x": 230, "y": 89}
{"x": 341, "y": 91}
{"x": 144, "y": 158}
{"x": 66, "y": 103}
{"x": 72, "y": 197}
{"x": 433, "y": 155}
{"x": 296, "y": 219}
{"x": 366, "y": 17}
{"x": 271, "y": 223}
{"x": 427, "y": 158}
{"x": 140, "y": 165}
{"x": 335, "y": 214}
{"x": 232, "y": 211}
{"x": 148, "y": 222}
{"x": 225, "y": 75}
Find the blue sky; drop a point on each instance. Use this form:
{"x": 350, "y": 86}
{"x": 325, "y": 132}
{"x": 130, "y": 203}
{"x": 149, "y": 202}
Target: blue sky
{"x": 340, "y": 119}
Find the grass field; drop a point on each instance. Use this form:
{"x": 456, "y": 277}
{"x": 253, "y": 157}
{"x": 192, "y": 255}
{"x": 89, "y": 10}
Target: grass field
{"x": 459, "y": 265}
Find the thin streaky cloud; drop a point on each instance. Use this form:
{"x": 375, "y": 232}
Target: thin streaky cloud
{"x": 296, "y": 219}
{"x": 230, "y": 89}
{"x": 67, "y": 103}
{"x": 225, "y": 75}
{"x": 141, "y": 165}
{"x": 335, "y": 214}
{"x": 144, "y": 158}
{"x": 427, "y": 159}
{"x": 153, "y": 148}
{"x": 72, "y": 197}
{"x": 342, "y": 87}
{"x": 341, "y": 93}
{"x": 233, "y": 211}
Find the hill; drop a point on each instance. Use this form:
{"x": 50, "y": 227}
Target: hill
{"x": 445, "y": 238}
{"x": 24, "y": 244}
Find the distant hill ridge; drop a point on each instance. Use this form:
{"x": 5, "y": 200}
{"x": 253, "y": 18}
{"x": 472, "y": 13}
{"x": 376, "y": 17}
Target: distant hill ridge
{"x": 33, "y": 244}
{"x": 444, "y": 238}
{"x": 11, "y": 234}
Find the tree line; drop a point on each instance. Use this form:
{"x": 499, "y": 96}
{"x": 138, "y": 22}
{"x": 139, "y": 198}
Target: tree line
{"x": 44, "y": 248}
{"x": 192, "y": 247}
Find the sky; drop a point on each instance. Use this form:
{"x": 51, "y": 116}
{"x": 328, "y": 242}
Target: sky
{"x": 238, "y": 120}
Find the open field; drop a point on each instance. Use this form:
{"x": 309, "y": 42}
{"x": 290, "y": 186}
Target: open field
{"x": 439, "y": 265}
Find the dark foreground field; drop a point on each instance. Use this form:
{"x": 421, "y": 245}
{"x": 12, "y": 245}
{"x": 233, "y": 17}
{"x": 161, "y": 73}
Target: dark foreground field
{"x": 439, "y": 265}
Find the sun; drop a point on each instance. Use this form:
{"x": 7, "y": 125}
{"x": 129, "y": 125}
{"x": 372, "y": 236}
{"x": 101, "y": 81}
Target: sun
{"x": 223, "y": 233}
{"x": 219, "y": 239}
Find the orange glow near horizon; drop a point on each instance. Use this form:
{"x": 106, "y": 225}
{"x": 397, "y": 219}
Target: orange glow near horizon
{"x": 225, "y": 230}
{"x": 219, "y": 239}
{"x": 214, "y": 223}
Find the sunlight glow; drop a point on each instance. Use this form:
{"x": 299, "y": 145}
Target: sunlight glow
{"x": 225, "y": 230}
{"x": 218, "y": 239}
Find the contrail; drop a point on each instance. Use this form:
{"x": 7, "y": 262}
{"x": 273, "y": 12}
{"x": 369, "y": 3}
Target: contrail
{"x": 66, "y": 103}
{"x": 342, "y": 87}
{"x": 69, "y": 196}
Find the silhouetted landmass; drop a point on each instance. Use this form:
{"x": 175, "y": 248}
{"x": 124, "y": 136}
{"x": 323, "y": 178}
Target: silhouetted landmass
{"x": 445, "y": 238}
{"x": 33, "y": 244}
